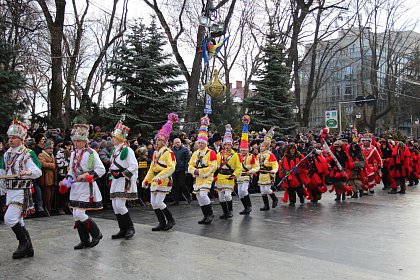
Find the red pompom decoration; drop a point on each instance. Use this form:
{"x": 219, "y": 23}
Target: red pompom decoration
{"x": 146, "y": 183}
{"x": 159, "y": 182}
{"x": 89, "y": 178}
{"x": 62, "y": 189}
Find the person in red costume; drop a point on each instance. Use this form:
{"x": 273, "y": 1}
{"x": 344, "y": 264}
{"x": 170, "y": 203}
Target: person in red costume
{"x": 317, "y": 167}
{"x": 339, "y": 167}
{"x": 373, "y": 160}
{"x": 292, "y": 184}
{"x": 399, "y": 168}
{"x": 413, "y": 178}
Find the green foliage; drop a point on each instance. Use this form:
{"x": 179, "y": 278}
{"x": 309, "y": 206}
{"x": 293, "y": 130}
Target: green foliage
{"x": 10, "y": 82}
{"x": 148, "y": 81}
{"x": 272, "y": 104}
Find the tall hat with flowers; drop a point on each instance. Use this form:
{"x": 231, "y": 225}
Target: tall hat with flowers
{"x": 17, "y": 129}
{"x": 228, "y": 138}
{"x": 165, "y": 131}
{"x": 80, "y": 132}
{"x": 121, "y": 131}
{"x": 244, "y": 137}
{"x": 269, "y": 136}
{"x": 203, "y": 134}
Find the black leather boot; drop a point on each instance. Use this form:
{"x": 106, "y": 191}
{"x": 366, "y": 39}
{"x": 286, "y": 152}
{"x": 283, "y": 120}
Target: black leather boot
{"x": 210, "y": 216}
{"x": 128, "y": 223}
{"x": 230, "y": 208}
{"x": 275, "y": 200}
{"x": 402, "y": 191}
{"x": 266, "y": 205}
{"x": 169, "y": 218}
{"x": 161, "y": 219}
{"x": 337, "y": 197}
{"x": 355, "y": 195}
{"x": 393, "y": 191}
{"x": 83, "y": 235}
{"x": 94, "y": 231}
{"x": 25, "y": 246}
{"x": 225, "y": 210}
{"x": 246, "y": 201}
{"x": 204, "y": 210}
{"x": 343, "y": 196}
{"x": 123, "y": 229}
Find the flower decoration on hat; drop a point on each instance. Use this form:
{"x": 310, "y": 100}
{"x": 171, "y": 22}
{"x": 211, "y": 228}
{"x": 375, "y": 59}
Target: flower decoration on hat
{"x": 203, "y": 135}
{"x": 164, "y": 133}
{"x": 121, "y": 131}
{"x": 269, "y": 136}
{"x": 80, "y": 132}
{"x": 17, "y": 129}
{"x": 245, "y": 132}
{"x": 227, "y": 138}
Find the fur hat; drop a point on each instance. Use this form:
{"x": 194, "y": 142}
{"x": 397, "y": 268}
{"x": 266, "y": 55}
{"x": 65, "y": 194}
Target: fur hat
{"x": 80, "y": 132}
{"x": 48, "y": 144}
{"x": 367, "y": 137}
{"x": 17, "y": 129}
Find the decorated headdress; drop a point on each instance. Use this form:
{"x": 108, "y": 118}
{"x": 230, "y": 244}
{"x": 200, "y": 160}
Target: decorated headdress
{"x": 227, "y": 138}
{"x": 121, "y": 131}
{"x": 80, "y": 132}
{"x": 203, "y": 135}
{"x": 367, "y": 137}
{"x": 269, "y": 136}
{"x": 165, "y": 131}
{"x": 17, "y": 129}
{"x": 244, "y": 137}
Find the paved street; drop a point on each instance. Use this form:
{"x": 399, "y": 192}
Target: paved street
{"x": 375, "y": 237}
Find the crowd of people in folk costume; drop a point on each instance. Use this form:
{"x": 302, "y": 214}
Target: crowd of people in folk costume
{"x": 303, "y": 169}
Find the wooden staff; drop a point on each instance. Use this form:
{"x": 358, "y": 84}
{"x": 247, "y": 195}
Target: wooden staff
{"x": 9, "y": 176}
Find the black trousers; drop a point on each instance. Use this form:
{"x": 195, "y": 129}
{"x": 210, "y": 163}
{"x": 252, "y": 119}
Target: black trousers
{"x": 293, "y": 191}
{"x": 179, "y": 185}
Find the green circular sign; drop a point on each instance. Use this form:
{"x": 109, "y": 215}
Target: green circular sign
{"x": 331, "y": 123}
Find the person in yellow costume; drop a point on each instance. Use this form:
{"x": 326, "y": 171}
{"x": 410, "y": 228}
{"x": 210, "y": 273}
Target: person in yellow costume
{"x": 229, "y": 168}
{"x": 202, "y": 165}
{"x": 159, "y": 175}
{"x": 268, "y": 169}
{"x": 250, "y": 167}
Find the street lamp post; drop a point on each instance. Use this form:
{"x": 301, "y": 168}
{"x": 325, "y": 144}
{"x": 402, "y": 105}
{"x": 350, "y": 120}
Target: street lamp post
{"x": 339, "y": 110}
{"x": 417, "y": 122}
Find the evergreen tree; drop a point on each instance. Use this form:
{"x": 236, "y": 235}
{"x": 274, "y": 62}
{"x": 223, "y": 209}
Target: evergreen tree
{"x": 272, "y": 103}
{"x": 10, "y": 82}
{"x": 148, "y": 82}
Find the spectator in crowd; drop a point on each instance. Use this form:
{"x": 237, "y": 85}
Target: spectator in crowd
{"x": 62, "y": 160}
{"x": 105, "y": 156}
{"x": 38, "y": 148}
{"x": 48, "y": 179}
{"x": 140, "y": 139}
{"x": 95, "y": 146}
{"x": 144, "y": 163}
{"x": 182, "y": 156}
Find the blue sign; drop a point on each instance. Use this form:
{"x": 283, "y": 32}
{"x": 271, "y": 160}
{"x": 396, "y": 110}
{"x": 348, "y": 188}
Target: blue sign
{"x": 207, "y": 111}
